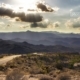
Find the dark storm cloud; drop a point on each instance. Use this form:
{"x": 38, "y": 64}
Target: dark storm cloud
{"x": 44, "y": 7}
{"x": 26, "y": 17}
{"x": 6, "y": 12}
{"x": 40, "y": 25}
{"x": 29, "y": 17}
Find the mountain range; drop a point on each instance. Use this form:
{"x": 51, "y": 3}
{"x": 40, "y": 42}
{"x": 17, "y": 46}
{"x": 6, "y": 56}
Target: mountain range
{"x": 44, "y": 38}
{"x": 8, "y": 46}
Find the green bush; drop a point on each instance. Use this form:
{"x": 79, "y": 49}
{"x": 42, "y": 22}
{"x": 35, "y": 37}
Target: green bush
{"x": 71, "y": 65}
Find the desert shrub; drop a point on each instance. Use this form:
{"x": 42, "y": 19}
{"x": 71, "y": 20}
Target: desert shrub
{"x": 15, "y": 75}
{"x": 2, "y": 68}
{"x": 59, "y": 65}
{"x": 45, "y": 58}
{"x": 76, "y": 59}
{"x": 63, "y": 77}
{"x": 11, "y": 65}
{"x": 46, "y": 78}
{"x": 1, "y": 56}
{"x": 35, "y": 71}
{"x": 61, "y": 57}
{"x": 71, "y": 65}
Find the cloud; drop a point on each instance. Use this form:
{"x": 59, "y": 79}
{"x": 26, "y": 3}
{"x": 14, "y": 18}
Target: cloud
{"x": 6, "y": 12}
{"x": 76, "y": 9}
{"x": 46, "y": 24}
{"x": 26, "y": 17}
{"x": 2, "y": 23}
{"x": 17, "y": 19}
{"x": 34, "y": 18}
{"x": 43, "y": 24}
{"x": 74, "y": 12}
{"x": 12, "y": 20}
{"x": 23, "y": 27}
{"x": 56, "y": 8}
{"x": 56, "y": 24}
{"x": 21, "y": 15}
{"x": 30, "y": 17}
{"x": 75, "y": 23}
{"x": 44, "y": 7}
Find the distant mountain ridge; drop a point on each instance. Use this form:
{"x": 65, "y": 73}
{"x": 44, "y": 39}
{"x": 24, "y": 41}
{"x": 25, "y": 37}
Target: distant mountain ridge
{"x": 7, "y": 46}
{"x": 44, "y": 38}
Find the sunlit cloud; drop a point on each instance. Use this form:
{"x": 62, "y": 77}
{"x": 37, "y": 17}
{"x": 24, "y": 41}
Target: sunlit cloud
{"x": 56, "y": 24}
{"x": 2, "y": 23}
{"x": 75, "y": 23}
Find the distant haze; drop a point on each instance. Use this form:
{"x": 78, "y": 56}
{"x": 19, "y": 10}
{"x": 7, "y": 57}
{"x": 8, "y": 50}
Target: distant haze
{"x": 44, "y": 38}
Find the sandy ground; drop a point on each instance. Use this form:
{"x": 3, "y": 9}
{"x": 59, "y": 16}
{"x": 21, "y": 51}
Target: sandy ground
{"x": 7, "y": 59}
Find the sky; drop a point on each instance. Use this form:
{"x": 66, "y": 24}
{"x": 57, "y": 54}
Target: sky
{"x": 65, "y": 16}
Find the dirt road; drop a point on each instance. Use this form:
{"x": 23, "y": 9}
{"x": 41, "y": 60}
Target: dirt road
{"x": 7, "y": 59}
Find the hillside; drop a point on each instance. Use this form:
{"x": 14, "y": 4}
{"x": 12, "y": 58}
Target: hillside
{"x": 7, "y": 46}
{"x": 47, "y": 66}
{"x": 44, "y": 38}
